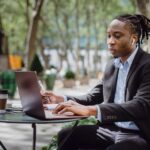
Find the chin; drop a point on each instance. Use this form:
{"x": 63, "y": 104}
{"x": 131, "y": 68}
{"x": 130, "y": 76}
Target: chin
{"x": 114, "y": 56}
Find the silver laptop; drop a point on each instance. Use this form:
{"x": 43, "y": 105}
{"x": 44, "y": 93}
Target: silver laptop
{"x": 31, "y": 99}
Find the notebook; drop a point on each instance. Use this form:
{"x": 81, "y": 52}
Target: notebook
{"x": 31, "y": 99}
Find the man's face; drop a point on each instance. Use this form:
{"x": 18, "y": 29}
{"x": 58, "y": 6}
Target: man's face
{"x": 120, "y": 40}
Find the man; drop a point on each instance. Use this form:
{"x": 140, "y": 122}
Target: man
{"x": 121, "y": 102}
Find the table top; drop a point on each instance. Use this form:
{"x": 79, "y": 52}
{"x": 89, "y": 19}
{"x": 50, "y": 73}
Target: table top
{"x": 21, "y": 117}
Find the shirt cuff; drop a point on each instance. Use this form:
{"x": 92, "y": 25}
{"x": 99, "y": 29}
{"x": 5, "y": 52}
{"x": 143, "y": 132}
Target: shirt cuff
{"x": 65, "y": 98}
{"x": 98, "y": 115}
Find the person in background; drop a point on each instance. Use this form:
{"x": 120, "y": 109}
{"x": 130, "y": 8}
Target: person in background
{"x": 121, "y": 102}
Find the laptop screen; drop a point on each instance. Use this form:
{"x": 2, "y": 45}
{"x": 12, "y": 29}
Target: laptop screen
{"x": 29, "y": 91}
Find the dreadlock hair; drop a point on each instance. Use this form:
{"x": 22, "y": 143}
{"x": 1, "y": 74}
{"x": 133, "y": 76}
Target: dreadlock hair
{"x": 139, "y": 25}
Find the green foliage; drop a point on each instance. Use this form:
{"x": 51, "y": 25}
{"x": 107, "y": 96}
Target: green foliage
{"x": 53, "y": 143}
{"x": 14, "y": 23}
{"x": 36, "y": 65}
{"x": 50, "y": 81}
{"x": 8, "y": 81}
{"x": 69, "y": 74}
{"x": 15, "y": 19}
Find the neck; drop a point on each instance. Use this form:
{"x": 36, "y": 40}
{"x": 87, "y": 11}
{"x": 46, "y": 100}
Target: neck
{"x": 124, "y": 58}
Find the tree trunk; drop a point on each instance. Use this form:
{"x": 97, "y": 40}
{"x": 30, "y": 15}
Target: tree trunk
{"x": 32, "y": 32}
{"x": 4, "y": 46}
{"x": 27, "y": 12}
{"x": 45, "y": 57}
{"x": 64, "y": 45}
{"x": 88, "y": 19}
{"x": 96, "y": 32}
{"x": 77, "y": 39}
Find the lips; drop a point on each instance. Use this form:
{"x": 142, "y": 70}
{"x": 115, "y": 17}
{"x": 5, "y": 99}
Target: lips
{"x": 111, "y": 48}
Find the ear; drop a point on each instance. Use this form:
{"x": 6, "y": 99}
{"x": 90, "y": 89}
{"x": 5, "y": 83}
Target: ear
{"x": 134, "y": 39}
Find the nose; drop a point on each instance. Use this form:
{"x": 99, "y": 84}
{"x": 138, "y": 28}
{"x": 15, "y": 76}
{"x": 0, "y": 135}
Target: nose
{"x": 110, "y": 41}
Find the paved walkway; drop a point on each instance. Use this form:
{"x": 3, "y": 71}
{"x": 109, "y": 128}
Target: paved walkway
{"x": 19, "y": 136}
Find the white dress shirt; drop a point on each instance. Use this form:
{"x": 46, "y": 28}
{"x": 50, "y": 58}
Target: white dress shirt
{"x": 120, "y": 88}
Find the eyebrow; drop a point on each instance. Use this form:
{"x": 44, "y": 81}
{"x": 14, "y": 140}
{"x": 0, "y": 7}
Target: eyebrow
{"x": 116, "y": 32}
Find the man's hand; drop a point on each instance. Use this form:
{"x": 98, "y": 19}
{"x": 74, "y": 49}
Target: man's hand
{"x": 49, "y": 97}
{"x": 75, "y": 108}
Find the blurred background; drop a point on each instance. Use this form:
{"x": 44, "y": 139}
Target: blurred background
{"x": 60, "y": 39}
{"x": 64, "y": 41}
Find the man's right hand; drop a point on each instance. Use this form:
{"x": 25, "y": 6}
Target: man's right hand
{"x": 49, "y": 97}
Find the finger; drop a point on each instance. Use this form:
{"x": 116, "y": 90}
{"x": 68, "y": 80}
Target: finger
{"x": 46, "y": 93}
{"x": 46, "y": 100}
{"x": 62, "y": 111}
{"x": 67, "y": 111}
{"x": 42, "y": 92}
{"x": 61, "y": 106}
{"x": 58, "y": 108}
{"x": 49, "y": 101}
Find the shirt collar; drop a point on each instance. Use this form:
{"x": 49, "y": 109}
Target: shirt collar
{"x": 129, "y": 61}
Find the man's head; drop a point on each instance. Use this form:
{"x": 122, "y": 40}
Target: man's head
{"x": 125, "y": 32}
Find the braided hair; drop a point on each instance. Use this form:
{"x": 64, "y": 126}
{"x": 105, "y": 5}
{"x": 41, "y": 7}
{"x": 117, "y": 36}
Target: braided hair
{"x": 139, "y": 25}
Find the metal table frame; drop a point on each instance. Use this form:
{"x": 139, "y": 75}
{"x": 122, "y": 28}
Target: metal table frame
{"x": 21, "y": 118}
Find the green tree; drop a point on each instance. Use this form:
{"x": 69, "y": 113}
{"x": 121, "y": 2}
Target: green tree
{"x": 60, "y": 23}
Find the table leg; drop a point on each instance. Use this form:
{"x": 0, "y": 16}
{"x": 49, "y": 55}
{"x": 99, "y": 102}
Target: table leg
{"x": 2, "y": 145}
{"x": 34, "y": 136}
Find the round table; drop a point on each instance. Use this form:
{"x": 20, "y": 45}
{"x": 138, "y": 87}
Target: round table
{"x": 22, "y": 118}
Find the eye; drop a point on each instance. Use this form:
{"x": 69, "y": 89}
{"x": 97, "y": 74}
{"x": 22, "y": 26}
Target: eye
{"x": 117, "y": 35}
{"x": 108, "y": 35}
